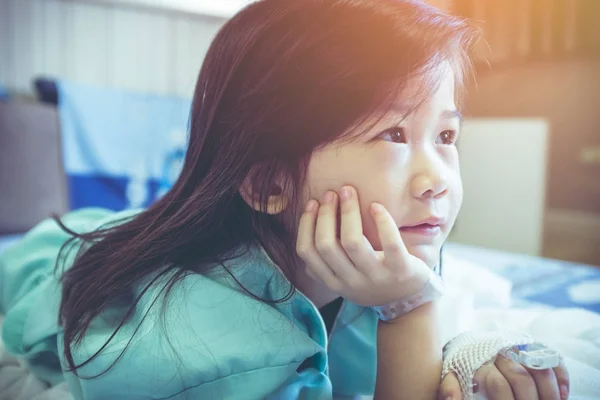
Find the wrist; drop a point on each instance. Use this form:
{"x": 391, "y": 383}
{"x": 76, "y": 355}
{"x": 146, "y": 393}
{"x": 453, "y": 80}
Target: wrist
{"x": 428, "y": 292}
{"x": 424, "y": 312}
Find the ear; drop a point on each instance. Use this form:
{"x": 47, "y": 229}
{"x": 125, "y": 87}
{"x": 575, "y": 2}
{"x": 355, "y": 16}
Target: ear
{"x": 277, "y": 201}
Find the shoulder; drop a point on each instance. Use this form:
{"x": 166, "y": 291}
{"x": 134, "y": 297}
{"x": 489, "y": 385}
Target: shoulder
{"x": 205, "y": 335}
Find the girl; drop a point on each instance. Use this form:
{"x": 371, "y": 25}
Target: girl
{"x": 320, "y": 182}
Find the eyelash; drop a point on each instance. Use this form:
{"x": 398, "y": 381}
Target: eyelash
{"x": 452, "y": 135}
{"x": 391, "y": 131}
{"x": 448, "y": 136}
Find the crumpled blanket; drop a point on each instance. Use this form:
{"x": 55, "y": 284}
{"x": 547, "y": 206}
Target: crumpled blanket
{"x": 475, "y": 299}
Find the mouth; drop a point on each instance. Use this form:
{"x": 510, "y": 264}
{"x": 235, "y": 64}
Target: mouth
{"x": 429, "y": 227}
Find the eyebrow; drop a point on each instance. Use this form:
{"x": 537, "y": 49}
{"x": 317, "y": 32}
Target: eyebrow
{"x": 450, "y": 114}
{"x": 446, "y": 114}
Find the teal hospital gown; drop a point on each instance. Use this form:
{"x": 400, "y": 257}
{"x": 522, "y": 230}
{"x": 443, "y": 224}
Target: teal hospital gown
{"x": 212, "y": 340}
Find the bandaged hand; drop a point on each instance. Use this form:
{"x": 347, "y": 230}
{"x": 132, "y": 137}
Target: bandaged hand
{"x": 487, "y": 366}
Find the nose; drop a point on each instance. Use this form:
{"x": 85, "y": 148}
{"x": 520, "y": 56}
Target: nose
{"x": 429, "y": 180}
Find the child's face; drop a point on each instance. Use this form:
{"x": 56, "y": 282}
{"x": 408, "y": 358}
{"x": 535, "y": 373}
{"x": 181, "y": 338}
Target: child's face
{"x": 410, "y": 167}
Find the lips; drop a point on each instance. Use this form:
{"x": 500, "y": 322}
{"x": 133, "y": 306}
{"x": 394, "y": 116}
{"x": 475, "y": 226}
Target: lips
{"x": 431, "y": 226}
{"x": 423, "y": 229}
{"x": 433, "y": 221}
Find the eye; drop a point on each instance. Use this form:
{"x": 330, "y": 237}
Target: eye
{"x": 447, "y": 138}
{"x": 395, "y": 135}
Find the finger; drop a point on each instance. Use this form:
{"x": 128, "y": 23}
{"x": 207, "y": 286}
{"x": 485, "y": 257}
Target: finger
{"x": 305, "y": 247}
{"x": 395, "y": 251}
{"x": 545, "y": 381}
{"x": 491, "y": 384}
{"x": 354, "y": 243}
{"x": 522, "y": 384}
{"x": 563, "y": 380}
{"x": 450, "y": 388}
{"x": 313, "y": 275}
{"x": 327, "y": 244}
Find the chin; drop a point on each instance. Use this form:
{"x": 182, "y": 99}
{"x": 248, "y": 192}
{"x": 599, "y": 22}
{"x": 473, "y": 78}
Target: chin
{"x": 430, "y": 254}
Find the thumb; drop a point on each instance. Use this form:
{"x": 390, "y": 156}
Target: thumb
{"x": 450, "y": 388}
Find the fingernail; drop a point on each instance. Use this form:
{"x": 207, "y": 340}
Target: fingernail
{"x": 329, "y": 197}
{"x": 310, "y": 206}
{"x": 448, "y": 398}
{"x": 376, "y": 208}
{"x": 345, "y": 194}
{"x": 564, "y": 392}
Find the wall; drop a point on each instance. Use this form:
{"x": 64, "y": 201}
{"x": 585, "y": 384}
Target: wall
{"x": 218, "y": 8}
{"x": 495, "y": 212}
{"x": 567, "y": 94}
{"x": 133, "y": 48}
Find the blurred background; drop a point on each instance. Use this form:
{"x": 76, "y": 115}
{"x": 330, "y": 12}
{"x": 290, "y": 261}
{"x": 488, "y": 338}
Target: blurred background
{"x": 96, "y": 94}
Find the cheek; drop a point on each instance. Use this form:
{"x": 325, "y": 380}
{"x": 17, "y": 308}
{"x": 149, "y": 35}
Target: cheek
{"x": 382, "y": 181}
{"x": 453, "y": 178}
{"x": 460, "y": 194}
{"x": 329, "y": 170}
{"x": 456, "y": 190}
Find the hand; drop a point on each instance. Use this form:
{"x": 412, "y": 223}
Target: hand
{"x": 505, "y": 379}
{"x": 349, "y": 265}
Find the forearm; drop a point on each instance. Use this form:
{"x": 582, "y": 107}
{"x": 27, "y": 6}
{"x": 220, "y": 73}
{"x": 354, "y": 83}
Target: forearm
{"x": 409, "y": 356}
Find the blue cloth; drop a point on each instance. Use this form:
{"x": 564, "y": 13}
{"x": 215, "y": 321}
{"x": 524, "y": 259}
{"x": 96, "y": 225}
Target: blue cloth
{"x": 220, "y": 342}
{"x": 3, "y": 94}
{"x": 121, "y": 149}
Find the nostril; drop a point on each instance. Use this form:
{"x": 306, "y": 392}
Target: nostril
{"x": 442, "y": 193}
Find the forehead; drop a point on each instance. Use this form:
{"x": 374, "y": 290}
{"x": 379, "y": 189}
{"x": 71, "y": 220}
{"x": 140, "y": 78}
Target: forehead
{"x": 435, "y": 86}
{"x": 430, "y": 96}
